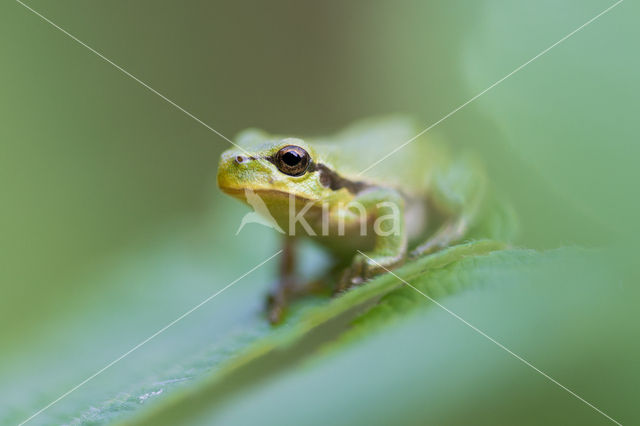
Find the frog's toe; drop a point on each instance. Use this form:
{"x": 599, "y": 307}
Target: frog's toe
{"x": 275, "y": 308}
{"x": 353, "y": 276}
{"x": 275, "y": 315}
{"x": 364, "y": 268}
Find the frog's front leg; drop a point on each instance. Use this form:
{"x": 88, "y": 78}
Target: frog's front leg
{"x": 385, "y": 211}
{"x": 278, "y": 300}
{"x": 457, "y": 193}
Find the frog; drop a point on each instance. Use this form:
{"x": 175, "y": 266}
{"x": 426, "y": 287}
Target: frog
{"x": 371, "y": 205}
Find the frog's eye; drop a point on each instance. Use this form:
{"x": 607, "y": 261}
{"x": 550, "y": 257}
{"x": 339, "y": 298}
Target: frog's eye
{"x": 292, "y": 160}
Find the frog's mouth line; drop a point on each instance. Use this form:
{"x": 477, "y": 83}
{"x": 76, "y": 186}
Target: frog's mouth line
{"x": 267, "y": 193}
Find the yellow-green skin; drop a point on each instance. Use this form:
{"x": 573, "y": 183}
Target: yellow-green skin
{"x": 421, "y": 178}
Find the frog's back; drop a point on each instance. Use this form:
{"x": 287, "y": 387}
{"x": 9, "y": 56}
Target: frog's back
{"x": 363, "y": 151}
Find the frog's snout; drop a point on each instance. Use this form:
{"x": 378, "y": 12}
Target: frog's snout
{"x": 233, "y": 171}
{"x": 235, "y": 157}
{"x": 226, "y": 171}
{"x": 239, "y": 159}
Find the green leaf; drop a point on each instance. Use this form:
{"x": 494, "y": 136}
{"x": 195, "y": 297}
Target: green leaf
{"x": 98, "y": 176}
{"x": 408, "y": 358}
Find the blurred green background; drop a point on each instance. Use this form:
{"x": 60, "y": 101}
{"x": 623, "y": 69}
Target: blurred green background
{"x": 112, "y": 225}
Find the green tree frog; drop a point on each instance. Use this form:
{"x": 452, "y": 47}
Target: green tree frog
{"x": 370, "y": 210}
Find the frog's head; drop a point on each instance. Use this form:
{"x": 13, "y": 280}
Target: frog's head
{"x": 275, "y": 169}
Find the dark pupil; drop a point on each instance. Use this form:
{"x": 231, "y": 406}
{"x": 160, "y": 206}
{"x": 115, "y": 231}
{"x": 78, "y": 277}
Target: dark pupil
{"x": 291, "y": 158}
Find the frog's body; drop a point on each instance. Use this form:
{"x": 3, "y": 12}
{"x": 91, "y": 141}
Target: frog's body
{"x": 345, "y": 191}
